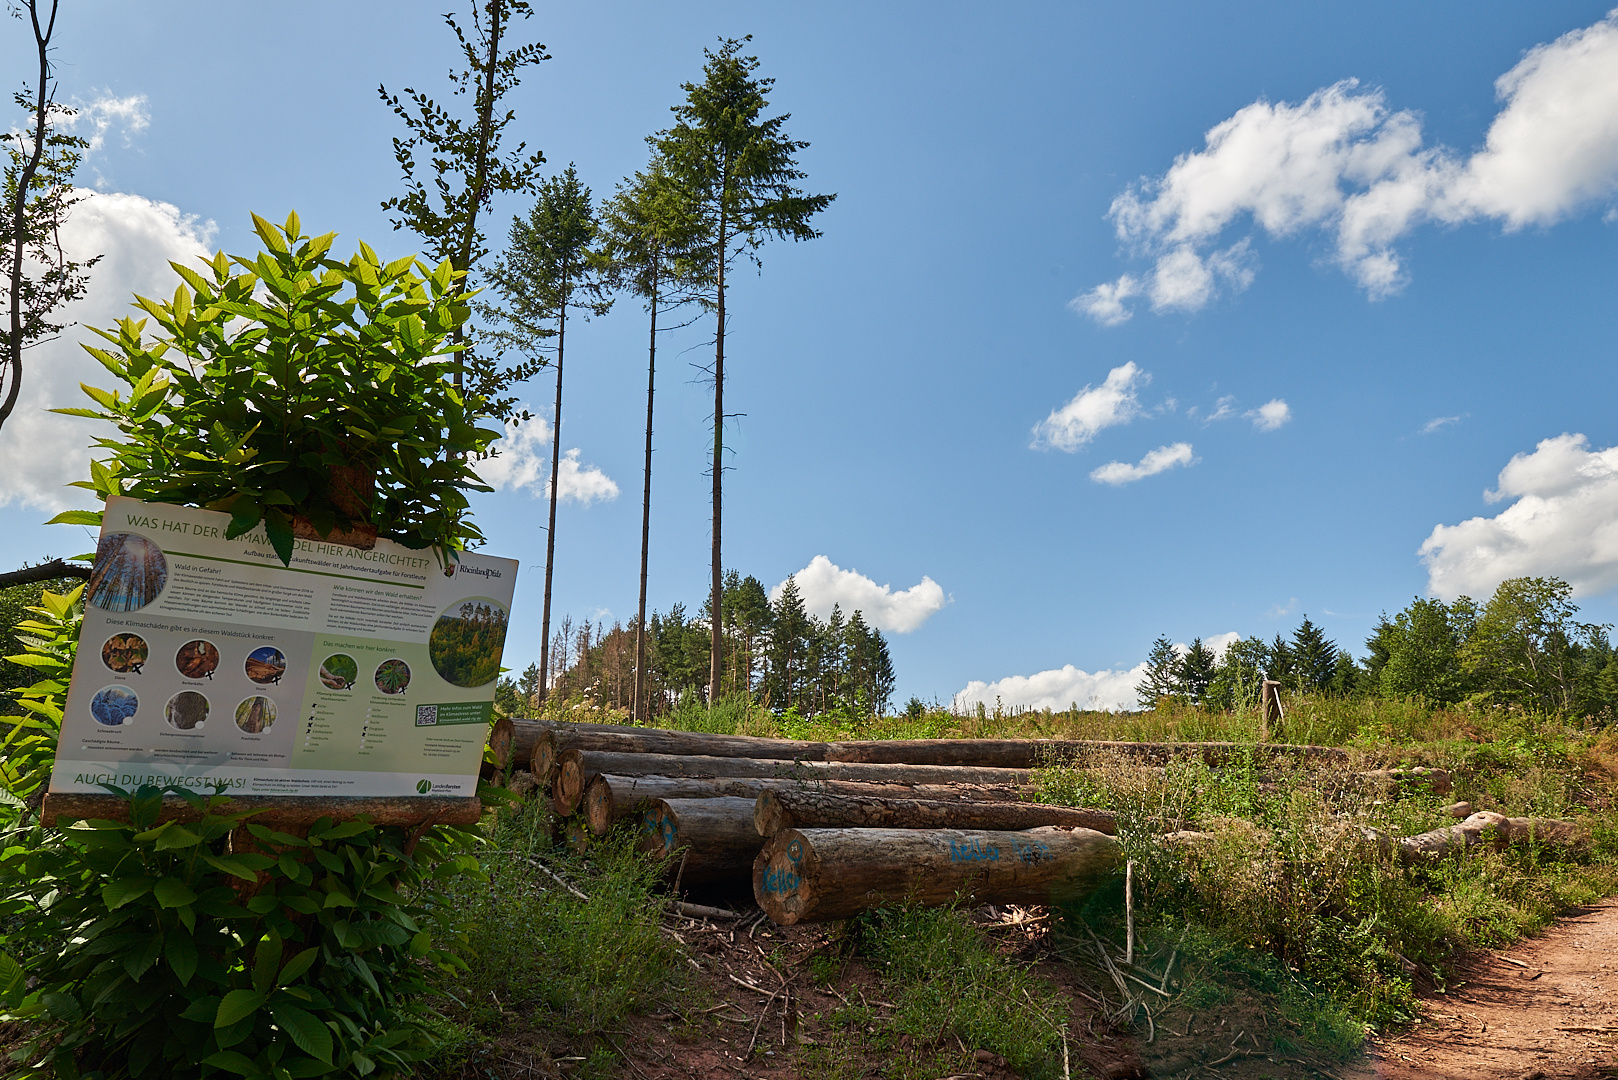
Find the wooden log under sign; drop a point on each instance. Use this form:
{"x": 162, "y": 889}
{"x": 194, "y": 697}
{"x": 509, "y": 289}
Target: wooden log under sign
{"x": 717, "y": 836}
{"x": 277, "y": 809}
{"x": 609, "y": 799}
{"x": 576, "y": 767}
{"x": 793, "y": 808}
{"x": 819, "y": 875}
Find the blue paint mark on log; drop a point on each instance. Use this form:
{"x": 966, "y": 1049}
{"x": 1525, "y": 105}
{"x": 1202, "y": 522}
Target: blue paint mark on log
{"x": 781, "y": 882}
{"x": 973, "y": 850}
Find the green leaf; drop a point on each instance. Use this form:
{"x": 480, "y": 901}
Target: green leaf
{"x": 77, "y": 517}
{"x": 118, "y": 893}
{"x": 230, "y": 864}
{"x": 202, "y": 1010}
{"x": 238, "y": 1005}
{"x": 64, "y": 1007}
{"x": 308, "y": 1034}
{"x": 13, "y": 981}
{"x": 177, "y": 837}
{"x": 231, "y": 1061}
{"x": 279, "y": 530}
{"x": 182, "y": 956}
{"x": 266, "y": 961}
{"x": 172, "y": 892}
{"x": 299, "y": 964}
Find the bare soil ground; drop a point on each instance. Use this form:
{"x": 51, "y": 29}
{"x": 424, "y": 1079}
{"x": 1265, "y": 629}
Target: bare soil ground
{"x": 1546, "y": 1009}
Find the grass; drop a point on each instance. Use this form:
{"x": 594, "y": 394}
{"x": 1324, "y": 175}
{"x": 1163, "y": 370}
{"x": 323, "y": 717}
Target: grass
{"x": 568, "y": 969}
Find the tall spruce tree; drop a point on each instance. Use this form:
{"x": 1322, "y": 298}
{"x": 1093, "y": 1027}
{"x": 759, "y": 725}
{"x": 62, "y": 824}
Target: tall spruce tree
{"x": 790, "y": 633}
{"x": 741, "y": 173}
{"x": 648, "y": 231}
{"x": 1314, "y": 657}
{"x": 549, "y": 268}
{"x": 1196, "y": 671}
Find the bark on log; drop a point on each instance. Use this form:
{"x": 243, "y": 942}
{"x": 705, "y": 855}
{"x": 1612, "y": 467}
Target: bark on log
{"x": 276, "y": 809}
{"x": 1484, "y": 827}
{"x": 778, "y": 809}
{"x": 818, "y": 875}
{"x": 979, "y": 753}
{"x": 501, "y": 736}
{"x": 575, "y": 768}
{"x": 717, "y": 836}
{"x": 610, "y": 799}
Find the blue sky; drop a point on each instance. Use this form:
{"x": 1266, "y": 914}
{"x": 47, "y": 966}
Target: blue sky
{"x": 1127, "y": 319}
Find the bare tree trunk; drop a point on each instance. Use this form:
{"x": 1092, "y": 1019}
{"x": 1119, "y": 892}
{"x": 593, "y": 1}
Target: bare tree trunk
{"x": 550, "y": 532}
{"x": 636, "y": 712}
{"x": 716, "y": 644}
{"x": 19, "y": 207}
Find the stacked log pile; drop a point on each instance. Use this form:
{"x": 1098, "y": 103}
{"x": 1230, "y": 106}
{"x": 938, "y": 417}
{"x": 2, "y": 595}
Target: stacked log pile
{"x": 820, "y": 830}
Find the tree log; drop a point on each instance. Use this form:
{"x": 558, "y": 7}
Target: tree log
{"x": 276, "y": 809}
{"x": 717, "y": 836}
{"x": 978, "y": 753}
{"x": 1484, "y": 827}
{"x": 610, "y": 799}
{"x": 790, "y": 808}
{"x": 818, "y": 875}
{"x": 575, "y": 768}
{"x": 501, "y": 736}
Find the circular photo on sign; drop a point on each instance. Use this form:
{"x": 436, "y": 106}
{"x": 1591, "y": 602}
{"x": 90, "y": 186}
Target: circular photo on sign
{"x": 124, "y": 653}
{"x": 186, "y": 710}
{"x": 197, "y": 659}
{"x": 392, "y": 676}
{"x": 114, "y": 706}
{"x": 266, "y": 665}
{"x": 339, "y": 671}
{"x": 467, "y": 641}
{"x": 256, "y": 714}
{"x": 128, "y": 574}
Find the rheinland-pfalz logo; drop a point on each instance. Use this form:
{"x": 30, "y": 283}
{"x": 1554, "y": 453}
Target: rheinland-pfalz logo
{"x": 424, "y": 786}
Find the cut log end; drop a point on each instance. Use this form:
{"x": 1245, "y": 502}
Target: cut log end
{"x": 502, "y": 736}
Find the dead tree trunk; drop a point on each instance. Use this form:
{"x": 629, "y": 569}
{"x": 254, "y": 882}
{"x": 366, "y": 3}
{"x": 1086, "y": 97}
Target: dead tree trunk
{"x": 710, "y": 840}
{"x": 794, "y": 808}
{"x": 610, "y": 799}
{"x": 819, "y": 875}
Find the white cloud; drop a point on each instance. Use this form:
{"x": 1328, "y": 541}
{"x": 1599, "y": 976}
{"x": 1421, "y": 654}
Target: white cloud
{"x": 1343, "y": 162}
{"x": 1270, "y": 415}
{"x": 1438, "y": 423}
{"x": 1061, "y": 687}
{"x": 1563, "y": 522}
{"x": 1278, "y": 611}
{"x": 1162, "y": 459}
{"x": 523, "y": 461}
{"x": 1224, "y": 409}
{"x": 138, "y": 238}
{"x": 95, "y": 118}
{"x": 1093, "y": 409}
{"x": 1106, "y": 302}
{"x": 1113, "y": 691}
{"x": 823, "y": 583}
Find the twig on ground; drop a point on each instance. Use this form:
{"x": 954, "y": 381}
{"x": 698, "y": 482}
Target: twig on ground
{"x": 543, "y": 869}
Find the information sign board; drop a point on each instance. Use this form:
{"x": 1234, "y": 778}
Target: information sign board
{"x": 205, "y": 661}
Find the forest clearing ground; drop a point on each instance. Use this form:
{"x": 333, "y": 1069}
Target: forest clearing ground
{"x": 1551, "y": 1015}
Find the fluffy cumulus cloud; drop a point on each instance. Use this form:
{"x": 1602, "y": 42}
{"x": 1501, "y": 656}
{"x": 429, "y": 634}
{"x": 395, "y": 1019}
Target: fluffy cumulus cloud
{"x": 1562, "y": 520}
{"x": 137, "y": 238}
{"x": 523, "y": 460}
{"x": 93, "y": 120}
{"x": 1058, "y": 688}
{"x": 1062, "y": 687}
{"x": 824, "y": 584}
{"x": 1270, "y": 415}
{"x": 1344, "y": 163}
{"x": 1092, "y": 410}
{"x": 1118, "y": 473}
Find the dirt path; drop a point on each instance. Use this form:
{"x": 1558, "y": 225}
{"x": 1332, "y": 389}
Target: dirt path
{"x": 1552, "y": 1015}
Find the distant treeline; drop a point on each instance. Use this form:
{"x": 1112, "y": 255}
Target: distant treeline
{"x": 775, "y": 654}
{"x": 1524, "y": 647}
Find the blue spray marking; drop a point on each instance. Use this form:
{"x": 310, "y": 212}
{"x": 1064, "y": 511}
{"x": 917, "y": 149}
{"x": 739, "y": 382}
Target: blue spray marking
{"x": 780, "y": 882}
{"x": 1031, "y": 852}
{"x": 973, "y": 850}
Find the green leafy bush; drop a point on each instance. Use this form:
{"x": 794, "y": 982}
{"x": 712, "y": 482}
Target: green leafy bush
{"x": 28, "y": 748}
{"x": 181, "y": 950}
{"x": 295, "y": 383}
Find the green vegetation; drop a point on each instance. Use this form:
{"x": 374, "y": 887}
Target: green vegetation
{"x": 289, "y": 384}
{"x": 130, "y": 953}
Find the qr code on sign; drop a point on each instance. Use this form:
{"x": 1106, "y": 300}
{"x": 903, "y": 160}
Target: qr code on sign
{"x": 426, "y": 715}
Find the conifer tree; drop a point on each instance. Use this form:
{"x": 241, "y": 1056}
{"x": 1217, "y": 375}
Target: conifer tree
{"x": 1162, "y": 674}
{"x": 741, "y": 173}
{"x": 1196, "y": 671}
{"x": 1313, "y": 656}
{"x": 550, "y": 266}
{"x": 790, "y": 629}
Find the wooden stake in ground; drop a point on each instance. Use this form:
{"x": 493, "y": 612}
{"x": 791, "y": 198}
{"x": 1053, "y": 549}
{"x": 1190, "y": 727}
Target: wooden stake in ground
{"x": 819, "y": 875}
{"x": 806, "y": 808}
